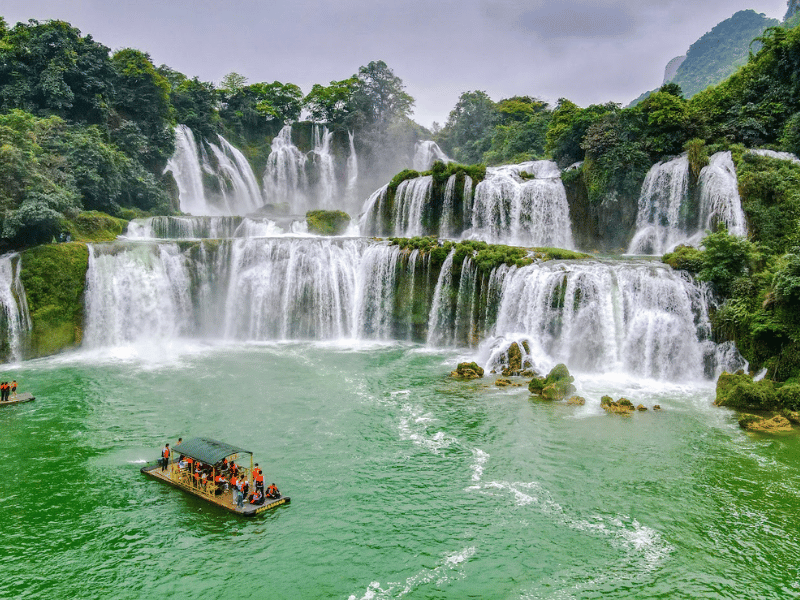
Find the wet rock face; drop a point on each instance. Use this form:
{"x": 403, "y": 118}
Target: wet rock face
{"x": 516, "y": 366}
{"x": 467, "y": 371}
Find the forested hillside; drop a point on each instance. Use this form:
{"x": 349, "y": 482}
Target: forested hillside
{"x": 85, "y": 129}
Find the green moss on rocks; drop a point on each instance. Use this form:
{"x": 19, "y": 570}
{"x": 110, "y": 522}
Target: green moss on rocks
{"x": 54, "y": 277}
{"x": 469, "y": 370}
{"x": 685, "y": 258}
{"x": 95, "y": 226}
{"x": 327, "y": 222}
{"x": 739, "y": 391}
{"x": 556, "y": 386}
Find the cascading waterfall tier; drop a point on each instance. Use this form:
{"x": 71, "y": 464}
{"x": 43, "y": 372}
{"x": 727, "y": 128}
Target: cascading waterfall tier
{"x": 210, "y": 227}
{"x": 522, "y": 205}
{"x": 638, "y": 316}
{"x": 15, "y": 320}
{"x": 234, "y": 190}
{"x": 669, "y": 214}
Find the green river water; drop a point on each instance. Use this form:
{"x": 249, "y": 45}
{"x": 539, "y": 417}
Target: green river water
{"x": 404, "y": 483}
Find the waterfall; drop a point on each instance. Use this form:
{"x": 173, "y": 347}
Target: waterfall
{"x": 184, "y": 165}
{"x": 241, "y": 193}
{"x": 426, "y": 153}
{"x": 524, "y": 205}
{"x": 371, "y": 221}
{"x": 639, "y": 317}
{"x": 236, "y": 192}
{"x": 15, "y": 320}
{"x": 719, "y": 197}
{"x": 446, "y": 225}
{"x": 662, "y": 221}
{"x": 326, "y": 196}
{"x": 668, "y": 218}
{"x": 183, "y": 228}
{"x": 285, "y": 179}
{"x": 409, "y": 201}
{"x": 352, "y": 169}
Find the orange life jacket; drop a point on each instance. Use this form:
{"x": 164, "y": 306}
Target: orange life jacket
{"x": 165, "y": 453}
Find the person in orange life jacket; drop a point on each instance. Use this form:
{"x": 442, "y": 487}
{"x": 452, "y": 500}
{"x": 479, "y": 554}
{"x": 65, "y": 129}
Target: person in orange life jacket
{"x": 221, "y": 483}
{"x": 257, "y": 497}
{"x": 3, "y": 390}
{"x": 258, "y": 476}
{"x": 272, "y": 491}
{"x": 14, "y": 388}
{"x": 165, "y": 457}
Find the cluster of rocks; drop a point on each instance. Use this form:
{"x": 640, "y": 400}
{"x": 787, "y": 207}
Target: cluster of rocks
{"x": 623, "y": 406}
{"x": 557, "y": 385}
{"x": 770, "y": 424}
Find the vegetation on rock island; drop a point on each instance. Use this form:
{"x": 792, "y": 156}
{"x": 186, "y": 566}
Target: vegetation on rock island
{"x": 54, "y": 277}
{"x": 327, "y": 222}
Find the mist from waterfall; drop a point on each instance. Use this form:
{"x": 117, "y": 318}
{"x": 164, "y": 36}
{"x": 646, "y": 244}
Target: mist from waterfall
{"x": 426, "y": 153}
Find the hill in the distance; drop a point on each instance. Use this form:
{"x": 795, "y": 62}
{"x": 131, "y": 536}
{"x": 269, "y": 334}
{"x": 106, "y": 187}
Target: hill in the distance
{"x": 717, "y": 54}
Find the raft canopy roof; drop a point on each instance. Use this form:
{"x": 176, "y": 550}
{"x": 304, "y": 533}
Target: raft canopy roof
{"x": 207, "y": 450}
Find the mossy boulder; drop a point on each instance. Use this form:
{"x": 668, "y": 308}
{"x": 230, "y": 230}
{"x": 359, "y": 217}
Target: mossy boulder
{"x": 765, "y": 424}
{"x": 466, "y": 370}
{"x": 515, "y": 365}
{"x": 577, "y": 400}
{"x": 95, "y": 226}
{"x": 739, "y": 391}
{"x": 623, "y": 406}
{"x": 54, "y": 277}
{"x": 327, "y": 222}
{"x": 556, "y": 386}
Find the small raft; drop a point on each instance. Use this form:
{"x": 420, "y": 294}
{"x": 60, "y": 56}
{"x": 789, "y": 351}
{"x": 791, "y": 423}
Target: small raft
{"x": 211, "y": 453}
{"x": 20, "y": 398}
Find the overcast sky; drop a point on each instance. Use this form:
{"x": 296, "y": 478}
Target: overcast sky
{"x": 586, "y": 50}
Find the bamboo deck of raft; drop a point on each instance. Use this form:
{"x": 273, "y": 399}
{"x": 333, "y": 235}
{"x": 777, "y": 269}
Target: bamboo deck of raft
{"x": 183, "y": 480}
{"x": 19, "y": 399}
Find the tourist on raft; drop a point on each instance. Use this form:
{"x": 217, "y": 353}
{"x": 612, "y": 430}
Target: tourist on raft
{"x": 165, "y": 457}
{"x": 272, "y": 491}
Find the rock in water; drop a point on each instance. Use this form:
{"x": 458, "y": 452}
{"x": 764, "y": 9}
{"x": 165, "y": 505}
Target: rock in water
{"x": 765, "y": 425}
{"x": 469, "y": 370}
{"x": 556, "y": 386}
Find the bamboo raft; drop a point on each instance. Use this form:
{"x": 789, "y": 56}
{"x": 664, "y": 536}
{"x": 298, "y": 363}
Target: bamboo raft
{"x": 19, "y": 399}
{"x": 210, "y": 451}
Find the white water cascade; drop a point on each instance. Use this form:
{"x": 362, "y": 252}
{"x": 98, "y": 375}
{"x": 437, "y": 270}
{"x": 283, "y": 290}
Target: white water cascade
{"x": 719, "y": 198}
{"x": 660, "y": 223}
{"x": 326, "y": 193}
{"x": 638, "y": 317}
{"x": 426, "y": 153}
{"x": 13, "y": 307}
{"x": 237, "y": 191}
{"x": 285, "y": 179}
{"x": 240, "y": 191}
{"x": 352, "y": 170}
{"x": 409, "y": 201}
{"x": 524, "y": 205}
{"x": 667, "y": 218}
{"x": 185, "y": 167}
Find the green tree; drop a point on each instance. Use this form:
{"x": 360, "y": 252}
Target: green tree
{"x": 567, "y": 128}
{"x": 468, "y": 133}
{"x": 142, "y": 100}
{"x": 49, "y": 68}
{"x": 380, "y": 97}
{"x": 332, "y": 104}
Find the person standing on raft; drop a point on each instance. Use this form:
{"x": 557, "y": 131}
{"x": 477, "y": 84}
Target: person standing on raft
{"x": 165, "y": 457}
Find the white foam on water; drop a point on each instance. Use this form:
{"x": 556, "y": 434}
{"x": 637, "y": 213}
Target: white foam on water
{"x": 450, "y": 568}
{"x": 414, "y": 425}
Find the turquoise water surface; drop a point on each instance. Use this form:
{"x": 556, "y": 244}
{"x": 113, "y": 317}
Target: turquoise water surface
{"x": 404, "y": 483}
